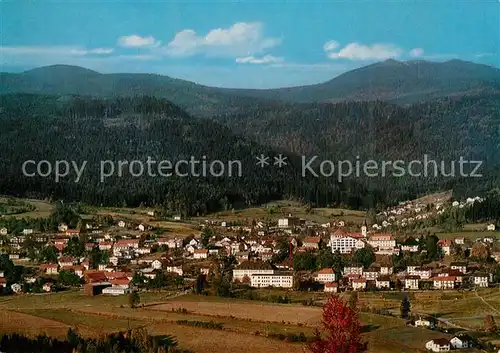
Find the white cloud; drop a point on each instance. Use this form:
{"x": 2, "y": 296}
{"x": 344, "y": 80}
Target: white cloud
{"x": 330, "y": 45}
{"x": 135, "y": 41}
{"x": 416, "y": 52}
{"x": 357, "y": 51}
{"x": 266, "y": 59}
{"x": 241, "y": 39}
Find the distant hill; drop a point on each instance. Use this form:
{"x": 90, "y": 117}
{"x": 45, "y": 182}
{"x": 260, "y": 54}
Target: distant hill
{"x": 73, "y": 80}
{"x": 391, "y": 80}
{"x": 394, "y": 81}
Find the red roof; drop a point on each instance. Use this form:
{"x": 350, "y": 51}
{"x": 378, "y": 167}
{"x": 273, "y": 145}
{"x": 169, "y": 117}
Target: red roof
{"x": 120, "y": 281}
{"x": 3, "y": 280}
{"x": 359, "y": 280}
{"x": 331, "y": 285}
{"x": 314, "y": 240}
{"x": 47, "y": 266}
{"x": 444, "y": 279}
{"x": 445, "y": 242}
{"x": 326, "y": 271}
{"x": 95, "y": 276}
{"x": 355, "y": 235}
{"x": 380, "y": 236}
{"x": 340, "y": 233}
{"x": 72, "y": 231}
{"x": 126, "y": 242}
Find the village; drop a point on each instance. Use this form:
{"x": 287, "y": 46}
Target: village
{"x": 124, "y": 256}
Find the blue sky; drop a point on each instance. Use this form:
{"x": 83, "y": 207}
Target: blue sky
{"x": 255, "y": 44}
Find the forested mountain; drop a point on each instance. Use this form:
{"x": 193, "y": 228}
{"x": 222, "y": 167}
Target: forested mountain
{"x": 37, "y": 127}
{"x": 394, "y": 81}
{"x": 391, "y": 80}
{"x": 444, "y": 130}
{"x": 73, "y": 80}
{"x": 126, "y": 118}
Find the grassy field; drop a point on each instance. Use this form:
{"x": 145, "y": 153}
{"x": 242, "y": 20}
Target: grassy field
{"x": 245, "y": 323}
{"x": 42, "y": 208}
{"x": 140, "y": 216}
{"x": 278, "y": 209}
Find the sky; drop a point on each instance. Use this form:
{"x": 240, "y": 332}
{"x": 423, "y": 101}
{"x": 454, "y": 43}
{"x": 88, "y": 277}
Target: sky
{"x": 245, "y": 44}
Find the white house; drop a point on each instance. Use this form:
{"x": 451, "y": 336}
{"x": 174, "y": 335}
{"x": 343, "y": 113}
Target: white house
{"x": 175, "y": 269}
{"x": 249, "y": 268}
{"x": 331, "y": 287}
{"x": 288, "y": 222}
{"x": 27, "y": 231}
{"x": 200, "y": 254}
{"x": 157, "y": 264}
{"x": 121, "y": 224}
{"x": 425, "y": 323}
{"x": 490, "y": 227}
{"x": 326, "y": 275}
{"x": 459, "y": 342}
{"x": 411, "y": 282}
{"x": 16, "y": 288}
{"x": 383, "y": 283}
{"x": 353, "y": 270}
{"x": 438, "y": 345}
{"x": 358, "y": 284}
{"x": 141, "y": 227}
{"x": 382, "y": 241}
{"x": 4, "y": 231}
{"x": 481, "y": 280}
{"x": 118, "y": 286}
{"x": 50, "y": 269}
{"x": 47, "y": 287}
{"x": 444, "y": 282}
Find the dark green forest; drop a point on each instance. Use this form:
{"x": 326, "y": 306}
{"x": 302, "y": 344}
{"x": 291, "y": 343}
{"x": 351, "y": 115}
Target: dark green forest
{"x": 80, "y": 128}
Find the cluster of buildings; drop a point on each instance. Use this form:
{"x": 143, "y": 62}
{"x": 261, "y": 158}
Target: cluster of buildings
{"x": 135, "y": 249}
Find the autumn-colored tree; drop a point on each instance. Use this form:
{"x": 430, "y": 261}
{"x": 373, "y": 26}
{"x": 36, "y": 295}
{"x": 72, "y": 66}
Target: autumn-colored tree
{"x": 341, "y": 329}
{"x": 490, "y": 324}
{"x": 480, "y": 251}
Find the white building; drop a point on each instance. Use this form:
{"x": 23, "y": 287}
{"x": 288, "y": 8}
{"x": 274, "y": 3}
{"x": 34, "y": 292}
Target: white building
{"x": 250, "y": 268}
{"x": 326, "y": 275}
{"x": 444, "y": 282}
{"x": 283, "y": 280}
{"x": 411, "y": 282}
{"x": 118, "y": 286}
{"x": 490, "y": 227}
{"x": 438, "y": 345}
{"x": 382, "y": 241}
{"x": 121, "y": 224}
{"x": 200, "y": 254}
{"x": 288, "y": 222}
{"x": 4, "y": 231}
{"x": 424, "y": 323}
{"x": 331, "y": 287}
{"x": 481, "y": 280}
{"x": 345, "y": 244}
{"x": 460, "y": 342}
{"x": 358, "y": 284}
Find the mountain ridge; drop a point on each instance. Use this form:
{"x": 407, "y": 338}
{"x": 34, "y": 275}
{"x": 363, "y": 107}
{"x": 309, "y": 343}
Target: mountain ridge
{"x": 390, "y": 80}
